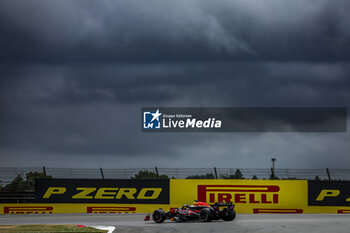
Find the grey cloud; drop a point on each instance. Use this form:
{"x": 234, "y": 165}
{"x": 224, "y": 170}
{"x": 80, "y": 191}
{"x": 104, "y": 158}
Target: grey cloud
{"x": 197, "y": 84}
{"x": 124, "y": 31}
{"x": 96, "y": 110}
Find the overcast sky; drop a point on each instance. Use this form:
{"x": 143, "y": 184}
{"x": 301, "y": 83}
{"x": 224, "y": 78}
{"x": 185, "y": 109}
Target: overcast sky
{"x": 75, "y": 74}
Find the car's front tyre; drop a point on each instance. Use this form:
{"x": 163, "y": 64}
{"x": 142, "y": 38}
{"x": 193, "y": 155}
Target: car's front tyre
{"x": 159, "y": 216}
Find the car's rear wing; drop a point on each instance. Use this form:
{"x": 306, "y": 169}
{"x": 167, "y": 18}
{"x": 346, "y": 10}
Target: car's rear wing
{"x": 218, "y": 204}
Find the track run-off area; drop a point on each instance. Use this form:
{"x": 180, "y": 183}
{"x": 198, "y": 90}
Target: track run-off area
{"x": 257, "y": 223}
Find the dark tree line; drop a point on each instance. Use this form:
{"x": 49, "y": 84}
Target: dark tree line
{"x": 148, "y": 175}
{"x": 24, "y": 183}
{"x": 238, "y": 175}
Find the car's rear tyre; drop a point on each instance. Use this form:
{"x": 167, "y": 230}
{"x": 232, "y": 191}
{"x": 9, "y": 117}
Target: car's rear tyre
{"x": 159, "y": 216}
{"x": 228, "y": 215}
{"x": 205, "y": 215}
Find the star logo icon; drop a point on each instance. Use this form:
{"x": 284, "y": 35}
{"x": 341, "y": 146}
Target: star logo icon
{"x": 152, "y": 119}
{"x": 156, "y": 115}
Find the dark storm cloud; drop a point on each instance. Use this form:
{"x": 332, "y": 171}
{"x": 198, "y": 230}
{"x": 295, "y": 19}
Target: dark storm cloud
{"x": 75, "y": 74}
{"x": 196, "y": 84}
{"x": 129, "y": 31}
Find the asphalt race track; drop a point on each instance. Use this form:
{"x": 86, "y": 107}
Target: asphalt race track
{"x": 267, "y": 223}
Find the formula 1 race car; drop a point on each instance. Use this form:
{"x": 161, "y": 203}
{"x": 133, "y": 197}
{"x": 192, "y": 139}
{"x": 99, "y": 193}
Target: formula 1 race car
{"x": 198, "y": 211}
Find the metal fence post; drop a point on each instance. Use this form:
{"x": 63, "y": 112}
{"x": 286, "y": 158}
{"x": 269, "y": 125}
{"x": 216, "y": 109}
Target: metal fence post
{"x": 44, "y": 171}
{"x": 103, "y": 177}
{"x": 157, "y": 171}
{"x": 216, "y": 174}
{"x": 329, "y": 175}
{"x": 273, "y": 177}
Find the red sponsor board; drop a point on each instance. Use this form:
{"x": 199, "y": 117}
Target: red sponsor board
{"x": 252, "y": 194}
{"x": 277, "y": 211}
{"x": 102, "y": 209}
{"x": 343, "y": 211}
{"x": 28, "y": 210}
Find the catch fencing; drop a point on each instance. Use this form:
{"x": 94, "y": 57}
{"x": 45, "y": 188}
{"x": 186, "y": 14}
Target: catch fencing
{"x": 7, "y": 174}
